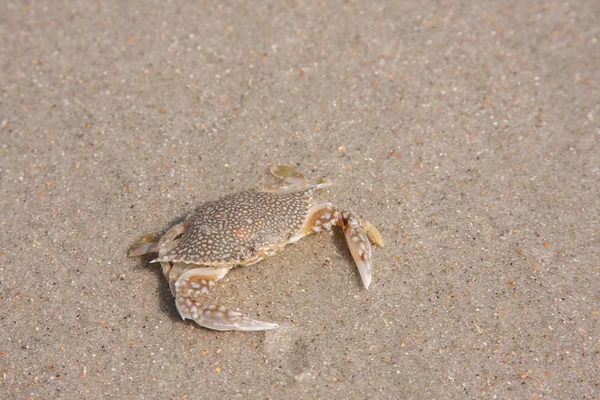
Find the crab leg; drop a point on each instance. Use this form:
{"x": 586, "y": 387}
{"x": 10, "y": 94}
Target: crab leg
{"x": 290, "y": 180}
{"x": 324, "y": 216}
{"x": 167, "y": 243}
{"x": 189, "y": 288}
{"x": 144, "y": 245}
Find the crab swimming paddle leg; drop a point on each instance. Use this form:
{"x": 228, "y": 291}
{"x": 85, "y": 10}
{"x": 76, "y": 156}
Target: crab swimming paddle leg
{"x": 144, "y": 245}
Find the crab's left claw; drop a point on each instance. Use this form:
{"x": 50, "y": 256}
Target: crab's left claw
{"x": 357, "y": 237}
{"x": 324, "y": 216}
{"x": 360, "y": 248}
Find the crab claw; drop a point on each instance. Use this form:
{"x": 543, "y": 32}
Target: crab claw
{"x": 219, "y": 318}
{"x": 360, "y": 248}
{"x": 192, "y": 284}
{"x": 324, "y": 216}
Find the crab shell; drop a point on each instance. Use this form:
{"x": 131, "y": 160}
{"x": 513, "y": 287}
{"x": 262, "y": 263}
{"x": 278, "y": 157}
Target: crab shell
{"x": 242, "y": 229}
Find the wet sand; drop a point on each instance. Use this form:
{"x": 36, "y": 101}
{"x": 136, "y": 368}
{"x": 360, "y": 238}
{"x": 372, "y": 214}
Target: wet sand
{"x": 468, "y": 134}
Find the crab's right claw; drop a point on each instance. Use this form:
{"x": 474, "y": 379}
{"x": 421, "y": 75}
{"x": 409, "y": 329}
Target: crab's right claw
{"x": 189, "y": 289}
{"x": 219, "y": 318}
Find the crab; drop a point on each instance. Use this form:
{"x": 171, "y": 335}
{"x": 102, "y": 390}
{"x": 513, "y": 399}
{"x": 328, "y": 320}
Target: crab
{"x": 242, "y": 229}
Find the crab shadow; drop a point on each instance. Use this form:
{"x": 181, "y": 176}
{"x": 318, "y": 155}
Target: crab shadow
{"x": 167, "y": 301}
